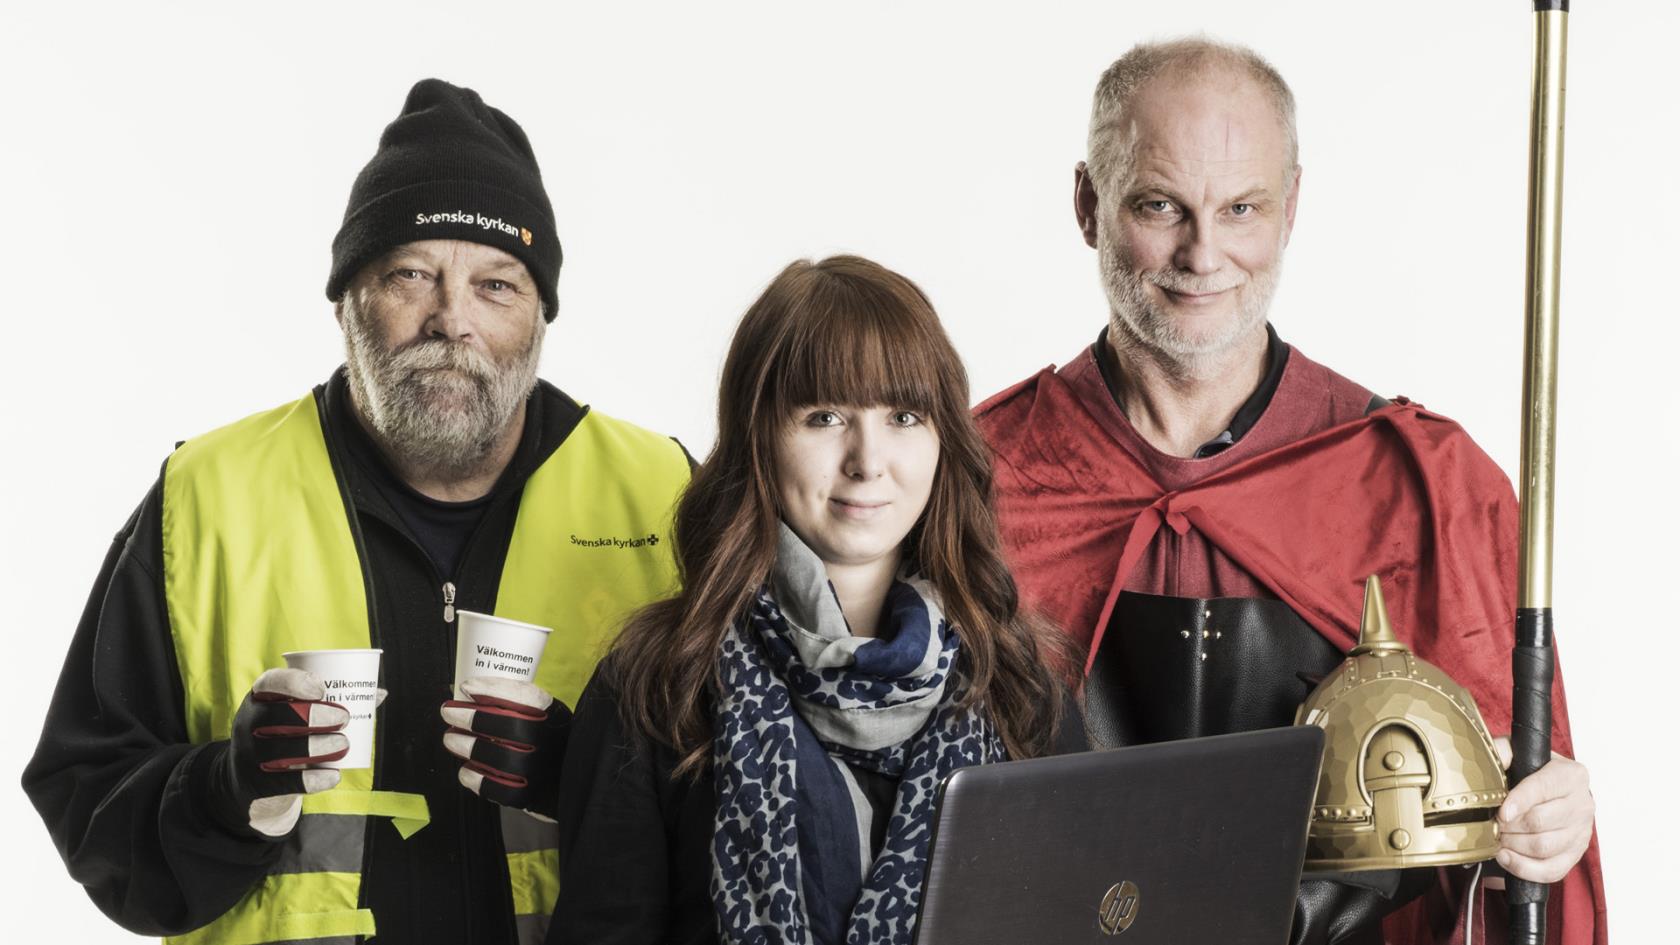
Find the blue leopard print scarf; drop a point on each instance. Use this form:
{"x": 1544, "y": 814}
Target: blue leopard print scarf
{"x": 803, "y": 698}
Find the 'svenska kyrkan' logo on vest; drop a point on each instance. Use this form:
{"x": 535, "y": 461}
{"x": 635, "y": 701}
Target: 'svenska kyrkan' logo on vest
{"x": 476, "y": 219}
{"x": 612, "y": 541}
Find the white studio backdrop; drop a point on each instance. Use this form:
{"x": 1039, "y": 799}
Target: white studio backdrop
{"x": 173, "y": 175}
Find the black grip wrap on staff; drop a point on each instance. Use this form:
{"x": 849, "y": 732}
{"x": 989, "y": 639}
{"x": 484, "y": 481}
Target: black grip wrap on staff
{"x": 1541, "y": 6}
{"x": 1531, "y": 748}
{"x": 1528, "y": 919}
{"x": 1531, "y": 693}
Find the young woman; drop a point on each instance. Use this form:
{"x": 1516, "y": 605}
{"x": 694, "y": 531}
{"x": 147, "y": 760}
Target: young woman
{"x": 756, "y": 759}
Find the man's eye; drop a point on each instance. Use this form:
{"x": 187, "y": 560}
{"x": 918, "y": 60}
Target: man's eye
{"x": 1158, "y": 206}
{"x": 1242, "y": 209}
{"x": 407, "y": 275}
{"x": 497, "y": 285}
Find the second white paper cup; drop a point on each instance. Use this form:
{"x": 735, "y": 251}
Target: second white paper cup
{"x": 352, "y": 681}
{"x": 496, "y": 646}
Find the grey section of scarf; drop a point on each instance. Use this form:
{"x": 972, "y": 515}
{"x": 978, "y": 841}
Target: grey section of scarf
{"x": 862, "y": 811}
{"x": 824, "y": 640}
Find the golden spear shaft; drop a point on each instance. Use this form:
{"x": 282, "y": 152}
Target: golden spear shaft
{"x": 1531, "y": 659}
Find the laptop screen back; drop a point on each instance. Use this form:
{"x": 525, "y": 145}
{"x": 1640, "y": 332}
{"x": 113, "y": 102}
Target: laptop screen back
{"x": 1181, "y": 842}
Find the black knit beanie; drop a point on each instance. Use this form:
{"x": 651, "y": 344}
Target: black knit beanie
{"x": 449, "y": 168}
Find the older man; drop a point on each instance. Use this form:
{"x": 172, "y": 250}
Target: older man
{"x": 432, "y": 473}
{"x": 1198, "y": 504}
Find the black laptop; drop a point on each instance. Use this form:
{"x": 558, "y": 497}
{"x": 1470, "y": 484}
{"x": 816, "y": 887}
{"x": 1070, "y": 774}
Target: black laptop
{"x": 1180, "y": 842}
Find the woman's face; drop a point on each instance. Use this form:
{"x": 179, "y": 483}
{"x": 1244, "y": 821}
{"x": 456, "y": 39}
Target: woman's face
{"x": 852, "y": 481}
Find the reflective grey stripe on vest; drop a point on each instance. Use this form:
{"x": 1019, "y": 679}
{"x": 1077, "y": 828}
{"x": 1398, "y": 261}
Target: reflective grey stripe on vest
{"x": 340, "y": 940}
{"x": 324, "y": 843}
{"x": 522, "y": 833}
{"x": 532, "y": 929}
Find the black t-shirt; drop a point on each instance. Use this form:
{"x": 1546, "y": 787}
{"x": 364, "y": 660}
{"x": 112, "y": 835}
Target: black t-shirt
{"x": 442, "y": 528}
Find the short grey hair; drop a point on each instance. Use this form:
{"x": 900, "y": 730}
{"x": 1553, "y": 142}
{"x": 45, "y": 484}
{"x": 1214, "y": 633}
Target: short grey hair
{"x": 1110, "y": 142}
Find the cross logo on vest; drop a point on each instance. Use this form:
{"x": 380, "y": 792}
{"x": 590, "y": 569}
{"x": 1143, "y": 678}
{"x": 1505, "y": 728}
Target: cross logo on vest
{"x": 613, "y": 541}
{"x": 1119, "y": 908}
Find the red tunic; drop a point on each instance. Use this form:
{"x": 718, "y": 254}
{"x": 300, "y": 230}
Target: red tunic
{"x": 1314, "y": 498}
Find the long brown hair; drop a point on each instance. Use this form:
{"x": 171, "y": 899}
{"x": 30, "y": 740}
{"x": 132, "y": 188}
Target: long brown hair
{"x": 841, "y": 331}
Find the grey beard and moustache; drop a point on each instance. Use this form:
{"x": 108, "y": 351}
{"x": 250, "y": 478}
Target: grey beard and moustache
{"x": 439, "y": 406}
{"x": 1135, "y": 320}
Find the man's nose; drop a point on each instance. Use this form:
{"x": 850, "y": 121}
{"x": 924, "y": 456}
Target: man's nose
{"x": 448, "y": 319}
{"x": 864, "y": 459}
{"x": 1198, "y": 249}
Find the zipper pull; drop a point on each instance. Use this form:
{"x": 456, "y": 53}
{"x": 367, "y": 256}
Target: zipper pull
{"x": 448, "y": 602}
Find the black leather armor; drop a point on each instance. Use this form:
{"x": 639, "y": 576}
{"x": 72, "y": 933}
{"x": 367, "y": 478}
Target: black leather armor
{"x": 1181, "y": 667}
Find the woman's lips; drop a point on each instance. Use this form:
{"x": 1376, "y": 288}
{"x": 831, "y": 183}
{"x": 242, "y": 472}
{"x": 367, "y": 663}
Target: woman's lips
{"x": 856, "y": 508}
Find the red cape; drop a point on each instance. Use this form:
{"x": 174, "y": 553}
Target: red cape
{"x": 1402, "y": 493}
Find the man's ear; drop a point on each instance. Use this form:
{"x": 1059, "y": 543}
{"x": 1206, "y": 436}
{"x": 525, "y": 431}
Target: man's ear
{"x": 1289, "y": 201}
{"x": 1085, "y": 203}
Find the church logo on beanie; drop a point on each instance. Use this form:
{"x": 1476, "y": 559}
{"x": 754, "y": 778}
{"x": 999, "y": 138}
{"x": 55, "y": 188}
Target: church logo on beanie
{"x": 476, "y": 219}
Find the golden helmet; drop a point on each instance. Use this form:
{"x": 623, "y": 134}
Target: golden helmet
{"x": 1410, "y": 777}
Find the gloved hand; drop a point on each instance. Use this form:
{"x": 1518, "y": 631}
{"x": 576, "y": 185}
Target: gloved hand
{"x": 512, "y": 735}
{"x": 258, "y": 779}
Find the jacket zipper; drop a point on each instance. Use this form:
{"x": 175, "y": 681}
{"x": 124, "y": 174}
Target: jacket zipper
{"x": 463, "y": 816}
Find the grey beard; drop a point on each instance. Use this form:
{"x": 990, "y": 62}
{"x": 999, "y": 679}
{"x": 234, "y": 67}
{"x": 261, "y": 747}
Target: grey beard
{"x": 438, "y": 406}
{"x": 1136, "y": 321}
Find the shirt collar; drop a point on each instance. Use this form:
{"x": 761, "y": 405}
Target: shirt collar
{"x": 1277, "y": 354}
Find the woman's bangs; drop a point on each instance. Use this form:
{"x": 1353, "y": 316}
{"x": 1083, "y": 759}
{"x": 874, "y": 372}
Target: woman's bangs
{"x": 862, "y": 355}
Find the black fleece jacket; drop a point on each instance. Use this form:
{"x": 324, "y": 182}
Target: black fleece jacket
{"x": 123, "y": 792}
{"x": 636, "y": 839}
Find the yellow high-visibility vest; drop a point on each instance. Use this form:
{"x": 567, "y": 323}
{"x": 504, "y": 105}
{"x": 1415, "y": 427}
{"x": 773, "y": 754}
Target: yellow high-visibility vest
{"x": 260, "y": 559}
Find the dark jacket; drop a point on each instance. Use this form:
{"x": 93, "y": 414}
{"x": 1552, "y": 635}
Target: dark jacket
{"x": 636, "y": 843}
{"x": 123, "y": 792}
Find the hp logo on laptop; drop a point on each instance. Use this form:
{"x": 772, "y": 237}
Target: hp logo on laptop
{"x": 1119, "y": 908}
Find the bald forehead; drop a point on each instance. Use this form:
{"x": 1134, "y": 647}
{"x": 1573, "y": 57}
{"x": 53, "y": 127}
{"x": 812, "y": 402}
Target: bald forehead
{"x": 1211, "y": 120}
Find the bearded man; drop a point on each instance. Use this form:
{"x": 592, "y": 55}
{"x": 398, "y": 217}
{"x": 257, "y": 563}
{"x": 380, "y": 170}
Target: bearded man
{"x": 178, "y": 766}
{"x": 1198, "y": 504}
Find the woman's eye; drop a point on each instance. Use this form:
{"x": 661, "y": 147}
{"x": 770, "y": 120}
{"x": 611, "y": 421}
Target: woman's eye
{"x": 906, "y": 418}
{"x": 822, "y": 418}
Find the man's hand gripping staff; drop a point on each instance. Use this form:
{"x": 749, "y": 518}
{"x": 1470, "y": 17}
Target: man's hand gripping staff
{"x": 260, "y": 774}
{"x": 512, "y": 736}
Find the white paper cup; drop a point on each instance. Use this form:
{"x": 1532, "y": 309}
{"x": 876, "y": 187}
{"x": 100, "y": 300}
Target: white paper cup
{"x": 352, "y": 681}
{"x": 496, "y": 646}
